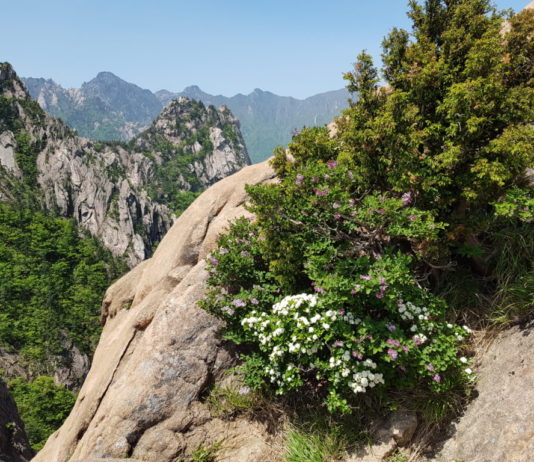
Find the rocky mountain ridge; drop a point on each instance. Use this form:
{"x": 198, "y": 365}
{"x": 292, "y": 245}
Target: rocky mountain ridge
{"x": 109, "y": 108}
{"x": 268, "y": 120}
{"x": 125, "y": 194}
{"x": 105, "y": 108}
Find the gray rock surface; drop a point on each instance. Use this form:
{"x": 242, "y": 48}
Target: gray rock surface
{"x": 68, "y": 369}
{"x": 14, "y": 445}
{"x": 397, "y": 431}
{"x": 7, "y": 152}
{"x": 498, "y": 426}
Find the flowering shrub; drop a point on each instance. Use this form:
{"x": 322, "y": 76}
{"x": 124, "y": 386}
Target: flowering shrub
{"x": 365, "y": 323}
{"x": 335, "y": 286}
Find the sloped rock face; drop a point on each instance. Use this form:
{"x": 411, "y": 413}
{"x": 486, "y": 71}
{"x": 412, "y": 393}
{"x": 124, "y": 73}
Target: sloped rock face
{"x": 14, "y": 445}
{"x": 159, "y": 352}
{"x": 118, "y": 192}
{"x": 498, "y": 426}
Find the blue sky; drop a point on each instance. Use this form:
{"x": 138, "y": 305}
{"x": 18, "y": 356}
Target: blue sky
{"x": 292, "y": 47}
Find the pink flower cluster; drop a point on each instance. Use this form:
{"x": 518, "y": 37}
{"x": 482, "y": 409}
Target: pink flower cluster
{"x": 228, "y": 310}
{"x": 331, "y": 164}
{"x": 406, "y": 198}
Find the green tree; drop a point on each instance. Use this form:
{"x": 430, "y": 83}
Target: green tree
{"x": 51, "y": 285}
{"x": 453, "y": 123}
{"x": 42, "y": 405}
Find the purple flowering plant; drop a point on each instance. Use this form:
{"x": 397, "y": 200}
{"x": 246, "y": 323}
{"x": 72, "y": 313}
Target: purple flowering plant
{"x": 370, "y": 217}
{"x": 356, "y": 254}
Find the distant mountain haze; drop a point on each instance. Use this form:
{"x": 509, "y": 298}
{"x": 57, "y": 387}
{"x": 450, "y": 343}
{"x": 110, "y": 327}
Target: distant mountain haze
{"x": 105, "y": 108}
{"x": 109, "y": 108}
{"x": 125, "y": 193}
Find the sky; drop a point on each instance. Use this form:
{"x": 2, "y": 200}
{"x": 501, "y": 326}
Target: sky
{"x": 289, "y": 47}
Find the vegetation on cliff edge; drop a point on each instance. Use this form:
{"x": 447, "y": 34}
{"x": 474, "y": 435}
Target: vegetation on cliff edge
{"x": 379, "y": 245}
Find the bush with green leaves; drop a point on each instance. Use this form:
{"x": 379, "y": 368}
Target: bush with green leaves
{"x": 360, "y": 320}
{"x": 335, "y": 286}
{"x": 42, "y": 405}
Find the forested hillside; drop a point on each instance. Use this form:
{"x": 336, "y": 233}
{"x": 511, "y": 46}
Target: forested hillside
{"x": 126, "y": 194}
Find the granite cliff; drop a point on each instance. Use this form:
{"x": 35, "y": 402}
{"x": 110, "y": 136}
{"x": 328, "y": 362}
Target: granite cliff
{"x": 125, "y": 194}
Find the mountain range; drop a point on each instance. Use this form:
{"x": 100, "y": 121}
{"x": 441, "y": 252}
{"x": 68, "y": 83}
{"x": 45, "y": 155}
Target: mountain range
{"x": 125, "y": 193}
{"x": 109, "y": 108}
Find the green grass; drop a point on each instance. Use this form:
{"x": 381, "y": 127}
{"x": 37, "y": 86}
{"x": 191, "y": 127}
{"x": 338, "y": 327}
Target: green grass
{"x": 230, "y": 400}
{"x": 319, "y": 445}
{"x": 398, "y": 456}
{"x": 206, "y": 453}
{"x": 514, "y": 297}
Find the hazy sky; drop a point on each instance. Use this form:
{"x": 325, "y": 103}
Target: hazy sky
{"x": 289, "y": 47}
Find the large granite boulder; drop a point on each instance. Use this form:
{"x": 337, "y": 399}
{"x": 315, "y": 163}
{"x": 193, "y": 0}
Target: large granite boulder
{"x": 498, "y": 425}
{"x": 159, "y": 352}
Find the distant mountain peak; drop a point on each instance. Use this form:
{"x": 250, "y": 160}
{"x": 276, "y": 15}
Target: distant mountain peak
{"x": 6, "y": 72}
{"x": 195, "y": 92}
{"x": 107, "y": 75}
{"x": 192, "y": 88}
{"x": 110, "y": 108}
{"x": 106, "y": 78}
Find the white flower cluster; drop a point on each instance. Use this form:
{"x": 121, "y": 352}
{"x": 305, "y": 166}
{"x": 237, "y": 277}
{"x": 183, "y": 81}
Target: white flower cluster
{"x": 260, "y": 322}
{"x": 351, "y": 319}
{"x": 334, "y": 362}
{"x": 365, "y": 379}
{"x": 459, "y": 336}
{"x": 361, "y": 380}
{"x": 296, "y": 347}
{"x": 293, "y": 302}
{"x": 419, "y": 339}
{"x": 273, "y": 333}
{"x": 408, "y": 312}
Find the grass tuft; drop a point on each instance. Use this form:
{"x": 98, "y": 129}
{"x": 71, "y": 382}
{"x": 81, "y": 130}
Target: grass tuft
{"x": 206, "y": 453}
{"x": 321, "y": 445}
